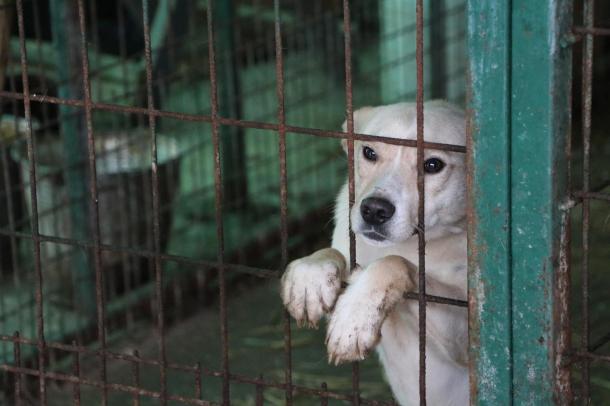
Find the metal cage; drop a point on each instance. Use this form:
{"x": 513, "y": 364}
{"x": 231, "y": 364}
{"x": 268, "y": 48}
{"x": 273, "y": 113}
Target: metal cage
{"x": 149, "y": 167}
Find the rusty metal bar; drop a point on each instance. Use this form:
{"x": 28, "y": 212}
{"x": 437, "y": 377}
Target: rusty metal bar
{"x": 136, "y": 361}
{"x": 421, "y": 222}
{"x": 259, "y": 272}
{"x": 198, "y": 389}
{"x": 61, "y": 377}
{"x": 18, "y": 383}
{"x": 160, "y": 312}
{"x": 76, "y": 372}
{"x": 281, "y": 118}
{"x": 93, "y": 202}
{"x": 593, "y": 196}
{"x": 590, "y": 30}
{"x": 234, "y": 122}
{"x": 323, "y": 397}
{"x": 260, "y": 399}
{"x": 563, "y": 286}
{"x": 264, "y": 273}
{"x": 349, "y": 106}
{"x": 595, "y": 192}
{"x": 41, "y": 346}
{"x": 436, "y": 299}
{"x": 218, "y": 203}
{"x": 587, "y": 98}
{"x": 135, "y": 376}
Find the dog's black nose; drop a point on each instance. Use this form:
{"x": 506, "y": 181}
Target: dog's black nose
{"x": 376, "y": 211}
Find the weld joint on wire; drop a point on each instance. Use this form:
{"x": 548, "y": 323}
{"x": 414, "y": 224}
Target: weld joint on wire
{"x": 568, "y": 204}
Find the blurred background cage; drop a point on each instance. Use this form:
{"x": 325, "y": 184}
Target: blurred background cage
{"x": 383, "y": 41}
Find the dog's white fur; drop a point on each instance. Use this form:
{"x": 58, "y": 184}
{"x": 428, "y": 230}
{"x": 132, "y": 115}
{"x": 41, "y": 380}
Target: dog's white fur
{"x": 371, "y": 312}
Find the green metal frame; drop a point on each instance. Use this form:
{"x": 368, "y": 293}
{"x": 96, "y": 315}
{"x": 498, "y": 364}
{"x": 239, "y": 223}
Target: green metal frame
{"x": 74, "y": 140}
{"x": 518, "y": 122}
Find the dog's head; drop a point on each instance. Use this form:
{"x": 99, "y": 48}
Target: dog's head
{"x": 386, "y": 198}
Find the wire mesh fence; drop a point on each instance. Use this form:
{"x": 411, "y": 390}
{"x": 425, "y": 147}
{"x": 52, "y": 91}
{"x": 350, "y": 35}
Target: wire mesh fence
{"x": 589, "y": 181}
{"x": 159, "y": 158}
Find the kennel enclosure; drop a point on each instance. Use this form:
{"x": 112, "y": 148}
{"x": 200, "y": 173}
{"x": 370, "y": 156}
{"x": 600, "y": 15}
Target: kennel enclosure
{"x": 151, "y": 160}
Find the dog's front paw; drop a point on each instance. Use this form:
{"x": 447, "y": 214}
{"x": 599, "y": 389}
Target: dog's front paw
{"x": 355, "y": 325}
{"x": 310, "y": 286}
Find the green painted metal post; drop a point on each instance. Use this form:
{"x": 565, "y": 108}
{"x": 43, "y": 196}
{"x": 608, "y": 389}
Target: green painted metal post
{"x": 540, "y": 118}
{"x": 64, "y": 25}
{"x": 519, "y": 120}
{"x": 489, "y": 212}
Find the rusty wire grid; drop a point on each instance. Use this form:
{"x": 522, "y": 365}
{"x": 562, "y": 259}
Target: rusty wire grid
{"x": 582, "y": 193}
{"x": 82, "y": 104}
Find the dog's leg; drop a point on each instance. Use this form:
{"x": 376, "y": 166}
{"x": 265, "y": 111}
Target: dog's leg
{"x": 310, "y": 286}
{"x": 355, "y": 325}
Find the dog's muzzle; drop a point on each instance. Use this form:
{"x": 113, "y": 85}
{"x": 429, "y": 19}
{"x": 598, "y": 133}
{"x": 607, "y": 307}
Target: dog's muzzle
{"x": 376, "y": 211}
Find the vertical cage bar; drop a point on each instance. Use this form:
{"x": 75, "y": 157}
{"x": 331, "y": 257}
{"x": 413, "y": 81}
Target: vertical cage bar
{"x": 587, "y": 98}
{"x": 6, "y": 19}
{"x": 218, "y": 203}
{"x": 421, "y": 222}
{"x": 152, "y": 125}
{"x": 198, "y": 391}
{"x": 563, "y": 346}
{"x": 260, "y": 398}
{"x": 65, "y": 30}
{"x": 76, "y": 372}
{"x": 18, "y": 382}
{"x": 94, "y": 219}
{"x": 232, "y": 139}
{"x": 349, "y": 106}
{"x": 489, "y": 287}
{"x": 281, "y": 118}
{"x": 40, "y": 344}
{"x": 540, "y": 114}
{"x": 135, "y": 376}
{"x": 563, "y": 285}
{"x": 324, "y": 398}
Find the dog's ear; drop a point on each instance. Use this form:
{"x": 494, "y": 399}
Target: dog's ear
{"x": 361, "y": 116}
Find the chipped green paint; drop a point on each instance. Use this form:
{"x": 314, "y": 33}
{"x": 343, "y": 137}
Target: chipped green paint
{"x": 488, "y": 249}
{"x": 519, "y": 104}
{"x": 540, "y": 110}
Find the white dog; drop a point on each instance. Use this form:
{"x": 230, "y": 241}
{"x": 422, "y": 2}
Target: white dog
{"x": 371, "y": 312}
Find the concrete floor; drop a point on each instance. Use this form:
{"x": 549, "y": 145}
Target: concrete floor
{"x": 256, "y": 347}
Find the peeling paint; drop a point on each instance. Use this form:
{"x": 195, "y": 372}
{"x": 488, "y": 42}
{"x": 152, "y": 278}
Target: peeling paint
{"x": 517, "y": 104}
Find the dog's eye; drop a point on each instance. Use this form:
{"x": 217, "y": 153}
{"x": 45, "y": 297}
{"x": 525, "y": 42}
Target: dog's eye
{"x": 369, "y": 153}
{"x": 433, "y": 165}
